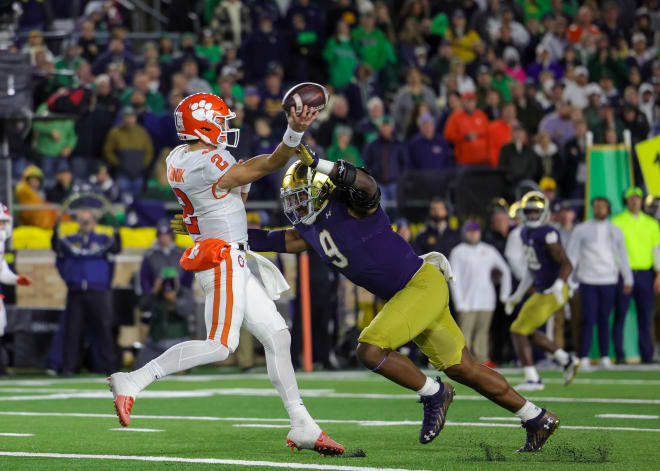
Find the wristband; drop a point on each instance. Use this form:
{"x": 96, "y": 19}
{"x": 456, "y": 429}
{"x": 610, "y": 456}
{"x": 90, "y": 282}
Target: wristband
{"x": 325, "y": 166}
{"x": 292, "y": 138}
{"x": 246, "y": 188}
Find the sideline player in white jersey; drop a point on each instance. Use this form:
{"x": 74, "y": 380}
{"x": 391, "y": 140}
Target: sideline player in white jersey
{"x": 7, "y": 276}
{"x": 211, "y": 188}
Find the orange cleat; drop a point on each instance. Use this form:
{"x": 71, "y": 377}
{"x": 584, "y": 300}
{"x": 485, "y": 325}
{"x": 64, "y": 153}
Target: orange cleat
{"x": 324, "y": 445}
{"x": 123, "y": 402}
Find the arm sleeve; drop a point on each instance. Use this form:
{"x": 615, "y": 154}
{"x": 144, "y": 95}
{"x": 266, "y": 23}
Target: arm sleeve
{"x": 622, "y": 257}
{"x": 7, "y": 276}
{"x": 501, "y": 265}
{"x": 261, "y": 240}
{"x": 216, "y": 165}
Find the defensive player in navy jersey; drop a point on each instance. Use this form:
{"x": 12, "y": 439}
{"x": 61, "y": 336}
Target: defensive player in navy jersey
{"x": 335, "y": 210}
{"x": 548, "y": 269}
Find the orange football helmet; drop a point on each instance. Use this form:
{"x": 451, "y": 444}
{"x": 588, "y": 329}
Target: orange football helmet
{"x": 205, "y": 116}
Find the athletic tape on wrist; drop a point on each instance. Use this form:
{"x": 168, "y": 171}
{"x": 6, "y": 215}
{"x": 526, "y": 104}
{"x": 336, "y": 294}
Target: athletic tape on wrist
{"x": 292, "y": 138}
{"x": 325, "y": 166}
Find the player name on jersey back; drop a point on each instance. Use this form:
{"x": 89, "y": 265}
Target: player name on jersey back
{"x": 210, "y": 211}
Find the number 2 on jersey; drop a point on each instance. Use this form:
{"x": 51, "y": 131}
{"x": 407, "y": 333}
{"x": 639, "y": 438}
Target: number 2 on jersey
{"x": 188, "y": 211}
{"x": 330, "y": 248}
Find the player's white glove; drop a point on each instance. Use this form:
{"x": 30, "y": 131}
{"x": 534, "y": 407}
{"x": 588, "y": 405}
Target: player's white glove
{"x": 509, "y": 307}
{"x": 445, "y": 268}
{"x": 511, "y": 302}
{"x": 557, "y": 289}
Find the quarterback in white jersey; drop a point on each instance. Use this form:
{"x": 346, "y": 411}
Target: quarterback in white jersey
{"x": 211, "y": 187}
{"x": 7, "y": 276}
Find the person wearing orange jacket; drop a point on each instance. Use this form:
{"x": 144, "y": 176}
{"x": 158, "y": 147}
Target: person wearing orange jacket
{"x": 500, "y": 132}
{"x": 467, "y": 130}
{"x": 28, "y": 191}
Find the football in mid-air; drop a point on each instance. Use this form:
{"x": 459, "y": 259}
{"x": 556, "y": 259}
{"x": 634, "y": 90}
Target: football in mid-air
{"x": 312, "y": 94}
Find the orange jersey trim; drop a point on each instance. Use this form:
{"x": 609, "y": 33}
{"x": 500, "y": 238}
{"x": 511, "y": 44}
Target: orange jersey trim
{"x": 229, "y": 304}
{"x": 216, "y": 302}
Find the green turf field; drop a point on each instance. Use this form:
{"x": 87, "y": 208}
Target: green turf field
{"x": 227, "y": 421}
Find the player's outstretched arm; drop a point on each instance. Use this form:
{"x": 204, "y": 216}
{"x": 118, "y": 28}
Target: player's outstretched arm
{"x": 281, "y": 241}
{"x": 261, "y": 165}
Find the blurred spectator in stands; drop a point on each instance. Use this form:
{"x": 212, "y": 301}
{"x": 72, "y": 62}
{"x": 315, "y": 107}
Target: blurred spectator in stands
{"x": 513, "y": 68}
{"x": 500, "y": 132}
{"x": 116, "y": 79}
{"x": 641, "y": 234}
{"x": 340, "y": 57}
{"x": 231, "y": 59}
{"x": 338, "y": 117}
{"x": 116, "y": 54}
{"x": 473, "y": 292}
{"x": 635, "y": 121}
{"x": 45, "y": 82}
{"x": 437, "y": 236}
{"x": 55, "y": 139}
{"x": 593, "y": 111}
{"x": 605, "y": 61}
{"x": 83, "y": 75}
{"x": 559, "y": 124}
{"x": 194, "y": 83}
{"x": 548, "y": 187}
{"x": 518, "y": 161}
{"x": 87, "y": 42}
{"x": 99, "y": 182}
{"x": 29, "y": 192}
{"x": 548, "y": 151}
{"x": 343, "y": 10}
{"x": 428, "y": 149}
{"x": 483, "y": 87}
{"x": 492, "y": 104}
{"x": 149, "y": 120}
{"x": 386, "y": 158}
{"x": 35, "y": 44}
{"x": 212, "y": 52}
{"x": 63, "y": 186}
{"x": 576, "y": 90}
{"x": 610, "y": 91}
{"x": 609, "y": 24}
{"x": 263, "y": 46}
{"x": 640, "y": 54}
{"x": 597, "y": 250}
{"x": 373, "y": 47}
{"x": 362, "y": 87}
{"x": 528, "y": 111}
{"x": 128, "y": 149}
{"x": 501, "y": 81}
{"x": 305, "y": 49}
{"x": 647, "y": 103}
{"x": 342, "y": 147}
{"x": 155, "y": 80}
{"x": 367, "y": 127}
{"x": 310, "y": 12}
{"x": 499, "y": 228}
{"x": 410, "y": 37}
{"x": 166, "y": 49}
{"x": 272, "y": 91}
{"x": 265, "y": 142}
{"x": 415, "y": 92}
{"x": 582, "y": 26}
{"x": 574, "y": 172}
{"x": 187, "y": 50}
{"x": 543, "y": 62}
{"x": 83, "y": 263}
{"x": 555, "y": 37}
{"x": 92, "y": 128}
{"x": 462, "y": 39}
{"x": 36, "y": 15}
{"x": 154, "y": 100}
{"x": 467, "y": 130}
{"x": 464, "y": 82}
{"x": 231, "y": 22}
{"x": 252, "y": 105}
{"x": 441, "y": 60}
{"x": 68, "y": 63}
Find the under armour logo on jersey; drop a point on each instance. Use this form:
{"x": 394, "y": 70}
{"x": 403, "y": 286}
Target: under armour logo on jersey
{"x": 328, "y": 214}
{"x": 202, "y": 111}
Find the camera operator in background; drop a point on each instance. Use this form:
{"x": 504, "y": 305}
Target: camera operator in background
{"x": 85, "y": 264}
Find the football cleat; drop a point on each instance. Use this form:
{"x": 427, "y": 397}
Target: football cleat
{"x": 539, "y": 430}
{"x": 530, "y": 386}
{"x": 571, "y": 370}
{"x": 435, "y": 412}
{"x": 124, "y": 391}
{"x": 324, "y": 445}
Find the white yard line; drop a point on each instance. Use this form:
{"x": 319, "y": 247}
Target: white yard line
{"x": 9, "y": 434}
{"x": 176, "y": 459}
{"x": 131, "y": 429}
{"x": 365, "y": 423}
{"x": 627, "y": 416}
{"x": 260, "y": 426}
{"x": 500, "y": 419}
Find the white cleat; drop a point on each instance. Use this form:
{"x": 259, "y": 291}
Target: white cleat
{"x": 606, "y": 363}
{"x": 571, "y": 370}
{"x": 311, "y": 437}
{"x": 531, "y": 386}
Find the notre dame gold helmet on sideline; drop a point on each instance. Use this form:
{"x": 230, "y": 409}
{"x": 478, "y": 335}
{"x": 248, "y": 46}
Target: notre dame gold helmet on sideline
{"x": 535, "y": 209}
{"x": 304, "y": 193}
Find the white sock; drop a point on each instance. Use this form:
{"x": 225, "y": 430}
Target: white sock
{"x": 528, "y": 411}
{"x": 561, "y": 356}
{"x": 531, "y": 374}
{"x": 430, "y": 387}
{"x": 180, "y": 357}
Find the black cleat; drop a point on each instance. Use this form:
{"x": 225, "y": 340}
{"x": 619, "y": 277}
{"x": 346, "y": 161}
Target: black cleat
{"x": 435, "y": 412}
{"x": 539, "y": 430}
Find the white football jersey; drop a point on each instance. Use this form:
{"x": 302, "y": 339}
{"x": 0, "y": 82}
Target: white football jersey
{"x": 210, "y": 212}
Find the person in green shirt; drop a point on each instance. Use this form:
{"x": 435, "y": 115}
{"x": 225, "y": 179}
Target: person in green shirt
{"x": 54, "y": 139}
{"x": 641, "y": 234}
{"x": 340, "y": 57}
{"x": 67, "y": 64}
{"x": 342, "y": 147}
{"x": 227, "y": 86}
{"x": 212, "y": 52}
{"x": 371, "y": 44}
{"x": 502, "y": 83}
{"x": 155, "y": 101}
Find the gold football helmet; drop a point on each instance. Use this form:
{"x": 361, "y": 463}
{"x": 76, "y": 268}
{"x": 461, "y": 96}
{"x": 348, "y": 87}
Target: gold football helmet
{"x": 535, "y": 209}
{"x": 304, "y": 193}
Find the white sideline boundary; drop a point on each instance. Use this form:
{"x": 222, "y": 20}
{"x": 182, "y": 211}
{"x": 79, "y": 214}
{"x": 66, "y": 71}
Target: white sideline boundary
{"x": 176, "y": 459}
{"x": 627, "y": 416}
{"x": 10, "y": 434}
{"x": 364, "y": 423}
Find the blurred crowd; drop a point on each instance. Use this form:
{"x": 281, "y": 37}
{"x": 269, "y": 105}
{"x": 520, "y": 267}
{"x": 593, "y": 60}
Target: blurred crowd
{"x": 415, "y": 84}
